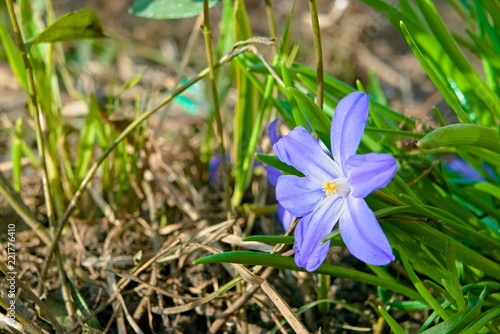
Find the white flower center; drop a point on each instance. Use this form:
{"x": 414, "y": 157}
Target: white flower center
{"x": 338, "y": 186}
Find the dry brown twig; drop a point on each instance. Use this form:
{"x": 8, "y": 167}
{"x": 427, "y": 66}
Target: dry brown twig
{"x": 256, "y": 283}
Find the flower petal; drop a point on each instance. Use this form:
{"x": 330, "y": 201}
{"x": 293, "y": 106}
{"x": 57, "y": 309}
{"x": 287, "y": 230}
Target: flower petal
{"x": 369, "y": 172}
{"x": 298, "y": 195}
{"x": 309, "y": 252}
{"x": 301, "y": 150}
{"x": 348, "y": 125}
{"x": 284, "y": 217}
{"x": 273, "y": 131}
{"x": 363, "y": 235}
{"x": 272, "y": 175}
{"x": 214, "y": 166}
{"x": 461, "y": 167}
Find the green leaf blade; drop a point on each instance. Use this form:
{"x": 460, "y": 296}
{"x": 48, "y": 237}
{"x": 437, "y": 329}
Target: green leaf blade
{"x": 275, "y": 162}
{"x": 81, "y": 24}
{"x": 161, "y": 9}
{"x": 314, "y": 115}
{"x": 14, "y": 57}
{"x": 462, "y": 135}
{"x": 284, "y": 262}
{"x": 271, "y": 239}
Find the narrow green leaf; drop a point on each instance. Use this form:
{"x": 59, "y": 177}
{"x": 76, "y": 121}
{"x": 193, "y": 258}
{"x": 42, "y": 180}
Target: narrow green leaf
{"x": 16, "y": 154}
{"x": 31, "y": 18}
{"x": 442, "y": 33}
{"x": 460, "y": 320}
{"x": 334, "y": 87}
{"x": 463, "y": 65}
{"x": 161, "y": 9}
{"x": 437, "y": 78}
{"x": 492, "y": 7}
{"x": 486, "y": 50}
{"x": 439, "y": 117}
{"x": 452, "y": 285}
{"x": 396, "y": 328}
{"x": 134, "y": 81}
{"x": 438, "y": 241}
{"x": 87, "y": 139}
{"x": 393, "y": 13}
{"x": 339, "y": 89}
{"x": 402, "y": 133}
{"x": 80, "y": 24}
{"x": 375, "y": 88}
{"x": 438, "y": 289}
{"x": 244, "y": 173}
{"x": 283, "y": 262}
{"x": 488, "y": 188}
{"x": 298, "y": 117}
{"x": 483, "y": 320}
{"x": 314, "y": 115}
{"x": 247, "y": 106}
{"x": 270, "y": 239}
{"x": 462, "y": 134}
{"x": 285, "y": 37}
{"x": 421, "y": 288}
{"x": 14, "y": 57}
{"x": 82, "y": 308}
{"x": 273, "y": 161}
{"x": 410, "y": 305}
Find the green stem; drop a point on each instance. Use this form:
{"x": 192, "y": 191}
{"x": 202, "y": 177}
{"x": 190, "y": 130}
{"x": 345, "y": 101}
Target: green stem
{"x": 34, "y": 107}
{"x": 207, "y": 34}
{"x": 36, "y": 112}
{"x": 323, "y": 289}
{"x": 318, "y": 51}
{"x": 270, "y": 17}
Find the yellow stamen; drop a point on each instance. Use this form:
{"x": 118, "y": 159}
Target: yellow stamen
{"x": 330, "y": 188}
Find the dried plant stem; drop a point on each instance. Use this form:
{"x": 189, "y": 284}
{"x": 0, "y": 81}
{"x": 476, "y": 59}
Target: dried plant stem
{"x": 123, "y": 282}
{"x": 21, "y": 318}
{"x": 34, "y": 298}
{"x": 22, "y": 210}
{"x": 318, "y": 51}
{"x": 65, "y": 290}
{"x": 239, "y": 303}
{"x": 256, "y": 282}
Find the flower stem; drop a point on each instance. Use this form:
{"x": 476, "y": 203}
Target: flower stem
{"x": 323, "y": 289}
{"x": 318, "y": 51}
{"x": 207, "y": 34}
{"x": 271, "y": 20}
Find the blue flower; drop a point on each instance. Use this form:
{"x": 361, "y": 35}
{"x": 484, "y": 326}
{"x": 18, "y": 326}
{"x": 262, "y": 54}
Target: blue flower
{"x": 272, "y": 173}
{"x": 334, "y": 190}
{"x": 462, "y": 168}
{"x": 214, "y": 166}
